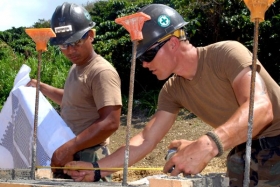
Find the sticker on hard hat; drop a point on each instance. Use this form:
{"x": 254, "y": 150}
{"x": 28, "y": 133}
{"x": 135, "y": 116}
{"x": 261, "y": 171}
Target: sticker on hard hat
{"x": 61, "y": 29}
{"x": 87, "y": 15}
{"x": 163, "y": 21}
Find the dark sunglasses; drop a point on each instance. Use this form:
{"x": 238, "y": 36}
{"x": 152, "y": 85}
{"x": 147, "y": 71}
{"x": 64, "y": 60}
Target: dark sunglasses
{"x": 149, "y": 55}
{"x": 77, "y": 43}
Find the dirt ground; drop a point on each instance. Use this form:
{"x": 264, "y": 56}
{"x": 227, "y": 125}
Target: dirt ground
{"x": 187, "y": 126}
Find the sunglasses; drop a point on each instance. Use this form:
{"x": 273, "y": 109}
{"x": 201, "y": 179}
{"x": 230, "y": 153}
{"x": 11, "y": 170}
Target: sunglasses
{"x": 77, "y": 43}
{"x": 149, "y": 55}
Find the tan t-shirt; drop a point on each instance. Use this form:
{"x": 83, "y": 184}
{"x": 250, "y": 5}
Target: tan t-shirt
{"x": 210, "y": 95}
{"x": 87, "y": 89}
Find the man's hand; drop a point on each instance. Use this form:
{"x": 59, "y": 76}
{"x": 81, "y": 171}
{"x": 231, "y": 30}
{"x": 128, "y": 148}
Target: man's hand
{"x": 32, "y": 83}
{"x": 191, "y": 157}
{"x": 80, "y": 174}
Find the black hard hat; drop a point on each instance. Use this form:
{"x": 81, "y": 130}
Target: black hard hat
{"x": 70, "y": 22}
{"x": 164, "y": 20}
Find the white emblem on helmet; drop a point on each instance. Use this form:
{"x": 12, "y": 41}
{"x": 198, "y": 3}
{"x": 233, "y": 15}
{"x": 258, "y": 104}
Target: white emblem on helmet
{"x": 163, "y": 21}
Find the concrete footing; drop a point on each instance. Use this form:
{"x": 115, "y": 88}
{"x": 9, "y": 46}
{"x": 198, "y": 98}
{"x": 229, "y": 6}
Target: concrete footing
{"x": 21, "y": 178}
{"x": 58, "y": 183}
{"x": 210, "y": 180}
{"x": 15, "y": 174}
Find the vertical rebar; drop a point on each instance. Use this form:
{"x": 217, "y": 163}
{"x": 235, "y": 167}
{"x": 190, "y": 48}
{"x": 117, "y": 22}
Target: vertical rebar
{"x": 246, "y": 181}
{"x": 34, "y": 147}
{"x": 129, "y": 112}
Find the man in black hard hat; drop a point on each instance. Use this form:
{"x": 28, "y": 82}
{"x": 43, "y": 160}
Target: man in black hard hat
{"x": 91, "y": 99}
{"x": 213, "y": 82}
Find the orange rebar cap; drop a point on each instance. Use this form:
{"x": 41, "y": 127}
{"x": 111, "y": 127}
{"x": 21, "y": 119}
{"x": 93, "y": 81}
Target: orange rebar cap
{"x": 258, "y": 8}
{"x": 41, "y": 37}
{"x": 133, "y": 24}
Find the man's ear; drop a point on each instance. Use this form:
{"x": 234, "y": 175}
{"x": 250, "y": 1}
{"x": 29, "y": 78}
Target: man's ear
{"x": 91, "y": 35}
{"x": 174, "y": 42}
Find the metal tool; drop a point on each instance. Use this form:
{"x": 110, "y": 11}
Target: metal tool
{"x": 169, "y": 154}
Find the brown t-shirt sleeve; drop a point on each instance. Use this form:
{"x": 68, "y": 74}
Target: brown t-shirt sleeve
{"x": 233, "y": 58}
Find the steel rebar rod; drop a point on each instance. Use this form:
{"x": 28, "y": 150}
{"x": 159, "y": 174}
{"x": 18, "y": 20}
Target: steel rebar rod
{"x": 34, "y": 147}
{"x": 129, "y": 113}
{"x": 246, "y": 181}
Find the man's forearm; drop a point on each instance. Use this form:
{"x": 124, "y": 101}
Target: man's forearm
{"x": 235, "y": 130}
{"x": 55, "y": 94}
{"x": 117, "y": 159}
{"x": 107, "y": 123}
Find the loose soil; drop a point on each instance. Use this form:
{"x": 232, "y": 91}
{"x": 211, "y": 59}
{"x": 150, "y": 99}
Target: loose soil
{"x": 187, "y": 126}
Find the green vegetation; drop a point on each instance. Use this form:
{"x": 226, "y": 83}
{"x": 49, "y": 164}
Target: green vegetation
{"x": 209, "y": 21}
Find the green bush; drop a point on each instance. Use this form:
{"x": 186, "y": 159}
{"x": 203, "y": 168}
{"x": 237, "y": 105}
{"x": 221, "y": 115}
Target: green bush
{"x": 148, "y": 101}
{"x": 54, "y": 69}
{"x": 226, "y": 20}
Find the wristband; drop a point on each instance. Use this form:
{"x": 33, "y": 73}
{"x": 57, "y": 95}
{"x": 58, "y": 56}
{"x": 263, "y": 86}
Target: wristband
{"x": 97, "y": 175}
{"x": 217, "y": 141}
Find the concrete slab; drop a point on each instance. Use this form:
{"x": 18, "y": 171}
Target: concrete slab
{"x": 59, "y": 183}
{"x": 210, "y": 180}
{"x": 21, "y": 178}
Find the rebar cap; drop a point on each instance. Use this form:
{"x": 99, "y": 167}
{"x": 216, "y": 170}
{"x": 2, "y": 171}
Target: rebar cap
{"x": 258, "y": 8}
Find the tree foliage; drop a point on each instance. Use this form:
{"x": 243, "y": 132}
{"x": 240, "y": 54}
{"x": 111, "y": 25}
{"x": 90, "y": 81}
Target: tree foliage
{"x": 209, "y": 21}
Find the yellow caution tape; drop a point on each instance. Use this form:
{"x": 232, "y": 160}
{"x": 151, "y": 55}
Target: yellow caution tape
{"x": 107, "y": 169}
